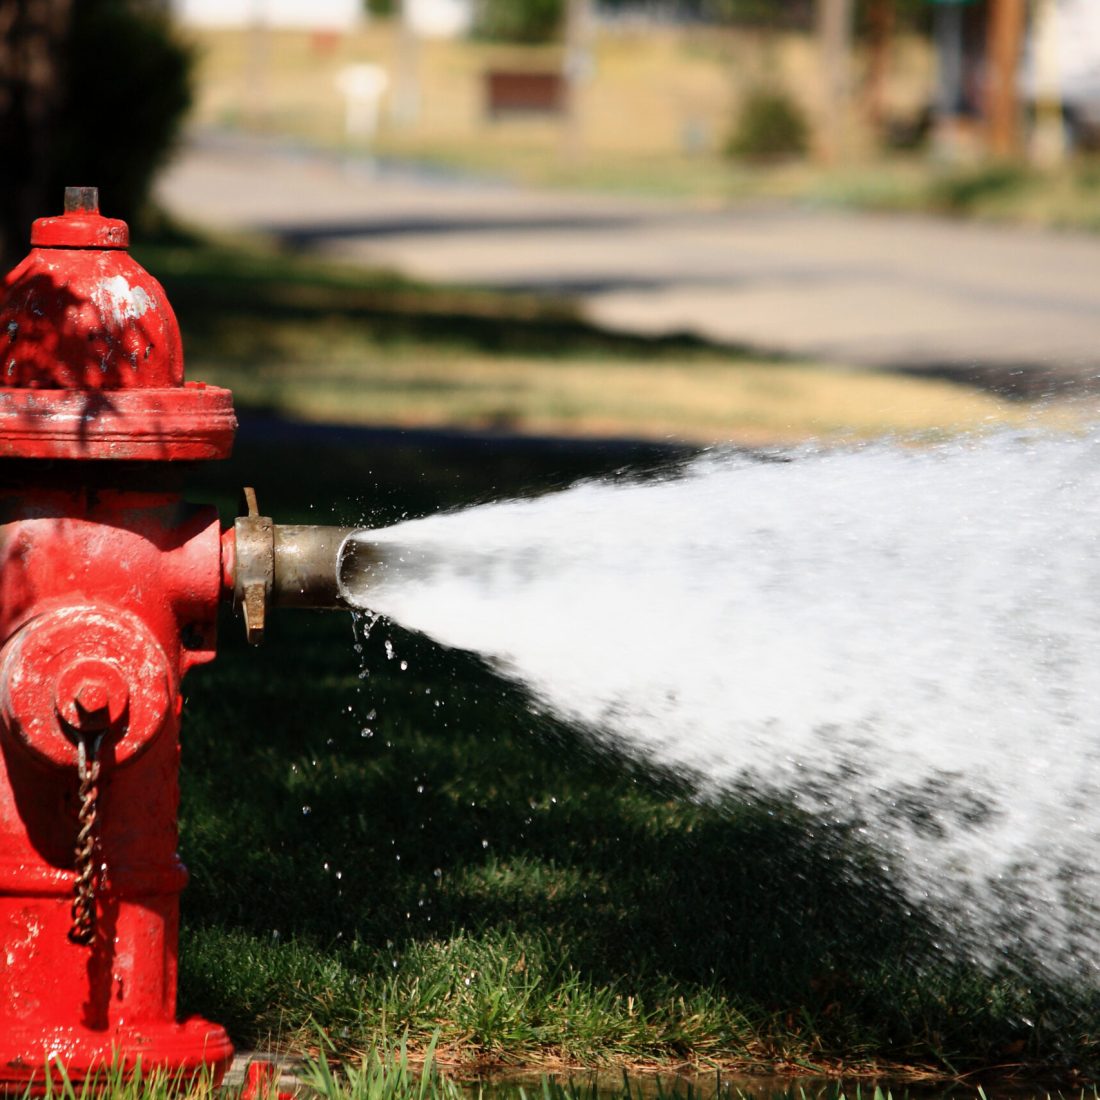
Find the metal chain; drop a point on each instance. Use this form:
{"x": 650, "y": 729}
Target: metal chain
{"x": 83, "y": 928}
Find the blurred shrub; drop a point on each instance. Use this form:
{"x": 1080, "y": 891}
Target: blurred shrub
{"x": 960, "y": 192}
{"x": 770, "y": 126}
{"x": 381, "y": 9}
{"x": 128, "y": 87}
{"x": 520, "y": 20}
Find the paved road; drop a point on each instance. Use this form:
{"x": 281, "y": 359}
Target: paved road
{"x": 1014, "y": 306}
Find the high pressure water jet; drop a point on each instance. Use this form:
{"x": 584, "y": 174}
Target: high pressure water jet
{"x": 109, "y": 591}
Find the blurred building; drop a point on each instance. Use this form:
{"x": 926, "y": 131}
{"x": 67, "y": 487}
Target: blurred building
{"x": 431, "y": 18}
{"x": 334, "y": 15}
{"x": 440, "y": 18}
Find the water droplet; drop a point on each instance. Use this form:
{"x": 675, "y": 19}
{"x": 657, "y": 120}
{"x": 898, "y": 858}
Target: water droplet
{"x": 485, "y": 844}
{"x": 307, "y": 810}
{"x": 404, "y": 666}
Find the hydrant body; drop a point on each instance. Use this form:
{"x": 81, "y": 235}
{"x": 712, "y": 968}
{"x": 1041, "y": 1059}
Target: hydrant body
{"x": 109, "y": 590}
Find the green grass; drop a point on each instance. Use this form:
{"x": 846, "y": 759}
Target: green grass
{"x": 119, "y": 1083}
{"x": 478, "y": 872}
{"x": 1062, "y": 198}
{"x": 391, "y": 1073}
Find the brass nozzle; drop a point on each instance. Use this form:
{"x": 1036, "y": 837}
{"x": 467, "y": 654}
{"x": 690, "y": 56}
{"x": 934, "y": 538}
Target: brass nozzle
{"x": 289, "y": 565}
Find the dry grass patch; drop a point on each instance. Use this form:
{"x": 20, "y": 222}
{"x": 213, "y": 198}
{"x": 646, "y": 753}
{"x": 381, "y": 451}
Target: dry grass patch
{"x": 707, "y": 401}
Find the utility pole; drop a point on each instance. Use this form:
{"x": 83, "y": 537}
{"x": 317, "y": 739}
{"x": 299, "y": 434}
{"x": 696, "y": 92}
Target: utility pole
{"x": 405, "y": 107}
{"x": 1005, "y": 40}
{"x": 834, "y": 34}
{"x": 949, "y": 138}
{"x": 258, "y": 66}
{"x": 576, "y": 68}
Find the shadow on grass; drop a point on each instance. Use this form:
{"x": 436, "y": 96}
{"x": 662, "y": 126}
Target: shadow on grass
{"x": 218, "y": 291}
{"x": 248, "y": 310}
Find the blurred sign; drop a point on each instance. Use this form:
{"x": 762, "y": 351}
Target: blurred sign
{"x": 362, "y": 87}
{"x": 510, "y": 92}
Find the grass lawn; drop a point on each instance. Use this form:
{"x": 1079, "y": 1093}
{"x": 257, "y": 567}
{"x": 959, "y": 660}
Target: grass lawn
{"x": 383, "y": 848}
{"x": 415, "y": 851}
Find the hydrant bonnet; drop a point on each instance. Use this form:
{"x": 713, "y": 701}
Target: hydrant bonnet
{"x": 91, "y": 361}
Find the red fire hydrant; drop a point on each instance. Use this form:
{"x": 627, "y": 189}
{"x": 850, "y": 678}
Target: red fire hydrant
{"x": 109, "y": 591}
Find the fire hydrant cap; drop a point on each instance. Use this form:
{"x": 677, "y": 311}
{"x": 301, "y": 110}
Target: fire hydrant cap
{"x": 81, "y": 226}
{"x": 91, "y": 360}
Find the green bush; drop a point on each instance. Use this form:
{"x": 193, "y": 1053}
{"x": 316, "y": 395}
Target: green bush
{"x": 527, "y": 21}
{"x": 771, "y": 126}
{"x": 128, "y": 87}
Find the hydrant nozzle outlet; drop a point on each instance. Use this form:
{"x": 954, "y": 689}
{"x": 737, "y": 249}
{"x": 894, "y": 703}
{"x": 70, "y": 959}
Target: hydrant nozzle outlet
{"x": 282, "y": 565}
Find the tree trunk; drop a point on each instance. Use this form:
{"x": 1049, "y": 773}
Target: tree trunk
{"x": 881, "y": 20}
{"x": 834, "y": 32}
{"x": 32, "y": 38}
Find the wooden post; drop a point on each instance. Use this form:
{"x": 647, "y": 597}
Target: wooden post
{"x": 834, "y": 32}
{"x": 1005, "y": 40}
